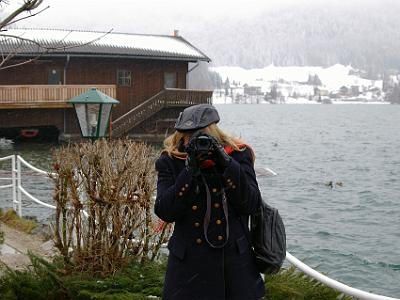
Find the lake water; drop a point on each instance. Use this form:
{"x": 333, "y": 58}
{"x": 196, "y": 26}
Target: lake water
{"x": 350, "y": 230}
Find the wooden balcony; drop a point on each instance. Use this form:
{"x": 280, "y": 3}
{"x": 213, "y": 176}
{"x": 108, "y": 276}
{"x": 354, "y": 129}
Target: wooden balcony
{"x": 45, "y": 96}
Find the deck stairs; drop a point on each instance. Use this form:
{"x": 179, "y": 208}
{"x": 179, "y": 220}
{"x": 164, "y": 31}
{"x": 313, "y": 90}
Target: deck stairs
{"x": 166, "y": 98}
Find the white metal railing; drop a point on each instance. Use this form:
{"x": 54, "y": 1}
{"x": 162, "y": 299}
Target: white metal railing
{"x": 345, "y": 289}
{"x": 16, "y": 182}
{"x": 18, "y": 190}
{"x": 13, "y": 179}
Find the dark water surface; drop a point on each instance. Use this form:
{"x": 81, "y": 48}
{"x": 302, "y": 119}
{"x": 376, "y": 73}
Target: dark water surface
{"x": 349, "y": 232}
{"x": 40, "y": 186}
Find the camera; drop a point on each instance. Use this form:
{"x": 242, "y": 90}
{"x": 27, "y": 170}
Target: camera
{"x": 204, "y": 147}
{"x": 203, "y": 143}
{"x": 200, "y": 143}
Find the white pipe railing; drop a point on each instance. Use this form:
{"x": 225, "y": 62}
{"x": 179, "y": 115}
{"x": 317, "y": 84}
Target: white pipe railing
{"x": 35, "y": 199}
{"x": 16, "y": 182}
{"x": 345, "y": 289}
{"x": 6, "y": 157}
{"x": 34, "y": 168}
{"x": 13, "y": 179}
{"x": 19, "y": 186}
{"x": 18, "y": 190}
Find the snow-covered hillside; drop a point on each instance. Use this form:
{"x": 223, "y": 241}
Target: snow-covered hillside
{"x": 332, "y": 78}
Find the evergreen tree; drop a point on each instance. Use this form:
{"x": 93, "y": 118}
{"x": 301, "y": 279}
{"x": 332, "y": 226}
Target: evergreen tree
{"x": 314, "y": 80}
{"x": 274, "y": 91}
{"x": 227, "y": 86}
{"x": 393, "y": 96}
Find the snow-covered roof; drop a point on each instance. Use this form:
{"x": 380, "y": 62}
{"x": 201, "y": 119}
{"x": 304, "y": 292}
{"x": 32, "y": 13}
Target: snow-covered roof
{"x": 89, "y": 43}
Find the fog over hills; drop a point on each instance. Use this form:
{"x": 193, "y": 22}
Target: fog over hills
{"x": 251, "y": 33}
{"x": 363, "y": 34}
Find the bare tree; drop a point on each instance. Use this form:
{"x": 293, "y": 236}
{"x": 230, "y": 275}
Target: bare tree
{"x": 28, "y": 9}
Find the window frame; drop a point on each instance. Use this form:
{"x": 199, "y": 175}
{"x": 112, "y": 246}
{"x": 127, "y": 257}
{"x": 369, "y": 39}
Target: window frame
{"x": 175, "y": 81}
{"x": 124, "y": 77}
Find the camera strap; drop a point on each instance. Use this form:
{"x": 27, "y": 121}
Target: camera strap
{"x": 207, "y": 216}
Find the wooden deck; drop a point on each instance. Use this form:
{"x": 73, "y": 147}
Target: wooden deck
{"x": 45, "y": 96}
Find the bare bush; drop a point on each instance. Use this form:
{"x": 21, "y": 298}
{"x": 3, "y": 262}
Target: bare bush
{"x": 104, "y": 198}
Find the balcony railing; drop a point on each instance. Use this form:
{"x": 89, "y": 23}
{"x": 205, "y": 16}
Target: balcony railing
{"x": 45, "y": 96}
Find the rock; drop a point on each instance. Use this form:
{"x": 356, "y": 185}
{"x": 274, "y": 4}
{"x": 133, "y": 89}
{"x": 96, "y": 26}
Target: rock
{"x": 48, "y": 247}
{"x": 44, "y": 231}
{"x": 15, "y": 261}
{"x": 32, "y": 218}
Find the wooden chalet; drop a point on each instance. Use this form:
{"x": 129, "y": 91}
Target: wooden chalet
{"x": 147, "y": 74}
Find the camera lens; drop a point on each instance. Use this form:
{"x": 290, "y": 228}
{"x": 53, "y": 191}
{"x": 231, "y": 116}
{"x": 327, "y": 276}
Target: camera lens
{"x": 203, "y": 143}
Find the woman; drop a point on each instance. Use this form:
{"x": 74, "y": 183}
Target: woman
{"x": 207, "y": 186}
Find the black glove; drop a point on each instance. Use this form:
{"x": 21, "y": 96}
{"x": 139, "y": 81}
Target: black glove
{"x": 194, "y": 158}
{"x": 191, "y": 164}
{"x": 219, "y": 156}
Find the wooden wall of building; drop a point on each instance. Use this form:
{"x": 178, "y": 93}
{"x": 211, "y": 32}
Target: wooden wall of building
{"x": 63, "y": 119}
{"x": 147, "y": 76}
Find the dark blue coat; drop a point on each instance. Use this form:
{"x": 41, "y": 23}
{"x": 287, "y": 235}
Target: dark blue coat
{"x": 196, "y": 270}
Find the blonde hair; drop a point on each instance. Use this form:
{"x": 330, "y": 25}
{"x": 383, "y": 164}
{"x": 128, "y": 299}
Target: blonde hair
{"x": 171, "y": 143}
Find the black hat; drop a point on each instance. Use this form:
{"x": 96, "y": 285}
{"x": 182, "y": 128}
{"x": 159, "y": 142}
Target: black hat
{"x": 196, "y": 117}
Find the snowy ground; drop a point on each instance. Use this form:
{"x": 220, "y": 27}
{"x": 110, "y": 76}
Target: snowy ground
{"x": 332, "y": 77}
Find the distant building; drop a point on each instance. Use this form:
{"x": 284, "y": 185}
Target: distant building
{"x": 252, "y": 90}
{"x": 344, "y": 91}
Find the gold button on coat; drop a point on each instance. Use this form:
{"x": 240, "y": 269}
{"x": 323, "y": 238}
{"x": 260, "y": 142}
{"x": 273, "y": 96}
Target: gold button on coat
{"x": 194, "y": 207}
{"x": 186, "y": 185}
{"x": 214, "y": 190}
{"x": 219, "y": 222}
{"x": 220, "y": 238}
{"x": 196, "y": 224}
{"x": 216, "y": 205}
{"x": 198, "y": 241}
{"x": 180, "y": 194}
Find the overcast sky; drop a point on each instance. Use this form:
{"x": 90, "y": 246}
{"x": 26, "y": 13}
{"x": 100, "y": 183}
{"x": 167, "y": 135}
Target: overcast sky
{"x": 131, "y": 15}
{"x": 155, "y": 16}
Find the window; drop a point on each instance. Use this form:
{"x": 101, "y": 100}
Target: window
{"x": 124, "y": 78}
{"x": 54, "y": 76}
{"x": 169, "y": 80}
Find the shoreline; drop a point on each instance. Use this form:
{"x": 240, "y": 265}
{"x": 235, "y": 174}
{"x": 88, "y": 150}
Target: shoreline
{"x": 310, "y": 103}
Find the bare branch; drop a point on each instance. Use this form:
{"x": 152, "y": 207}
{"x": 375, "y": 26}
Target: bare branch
{"x": 30, "y": 16}
{"x": 44, "y": 49}
{"x": 21, "y": 63}
{"x": 20, "y": 38}
{"x": 28, "y": 6}
{"x": 6, "y": 2}
{"x": 60, "y": 47}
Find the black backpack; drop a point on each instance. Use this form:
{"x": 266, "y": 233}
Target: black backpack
{"x": 267, "y": 238}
